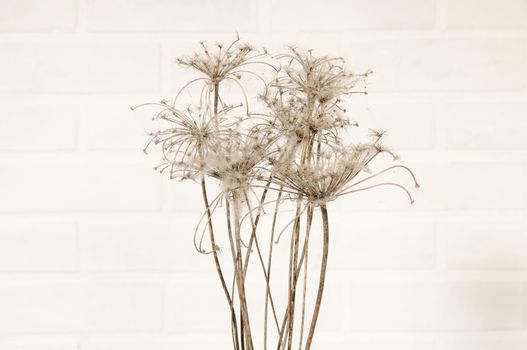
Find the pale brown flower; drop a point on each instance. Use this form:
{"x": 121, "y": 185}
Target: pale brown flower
{"x": 239, "y": 158}
{"x": 220, "y": 61}
{"x": 334, "y": 171}
{"x": 323, "y": 79}
{"x": 187, "y": 138}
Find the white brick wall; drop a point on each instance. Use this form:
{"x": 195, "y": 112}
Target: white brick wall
{"x": 436, "y": 306}
{"x": 35, "y": 15}
{"x": 96, "y": 249}
{"x": 59, "y": 306}
{"x": 71, "y": 66}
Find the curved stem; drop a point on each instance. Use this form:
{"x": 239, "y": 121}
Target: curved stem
{"x": 269, "y": 260}
{"x": 307, "y": 152}
{"x": 293, "y": 278}
{"x": 235, "y": 266}
{"x": 234, "y": 324}
{"x": 240, "y": 275}
{"x": 262, "y": 264}
{"x": 218, "y": 266}
{"x": 255, "y": 223}
{"x": 325, "y": 250}
{"x": 304, "y": 291}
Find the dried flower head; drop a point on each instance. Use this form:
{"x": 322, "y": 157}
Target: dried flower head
{"x": 323, "y": 79}
{"x": 291, "y": 118}
{"x": 304, "y": 100}
{"x": 236, "y": 160}
{"x": 334, "y": 170}
{"x": 223, "y": 62}
{"x": 188, "y": 138}
{"x": 220, "y": 62}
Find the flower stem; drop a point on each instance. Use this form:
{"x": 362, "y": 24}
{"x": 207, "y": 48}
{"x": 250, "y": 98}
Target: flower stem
{"x": 323, "y": 267}
{"x": 240, "y": 275}
{"x": 262, "y": 264}
{"x": 304, "y": 291}
{"x": 293, "y": 278}
{"x": 269, "y": 260}
{"x": 218, "y": 266}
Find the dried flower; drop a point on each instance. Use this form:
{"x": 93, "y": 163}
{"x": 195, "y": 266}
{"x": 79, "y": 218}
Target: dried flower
{"x": 239, "y": 158}
{"x": 334, "y": 170}
{"x": 220, "y": 61}
{"x": 292, "y": 119}
{"x": 188, "y": 139}
{"x": 323, "y": 79}
{"x": 293, "y": 146}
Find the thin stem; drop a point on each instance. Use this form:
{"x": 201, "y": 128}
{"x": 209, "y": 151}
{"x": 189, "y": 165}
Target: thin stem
{"x": 240, "y": 276}
{"x": 209, "y": 211}
{"x": 183, "y": 88}
{"x": 380, "y": 185}
{"x": 242, "y": 328}
{"x": 323, "y": 267}
{"x": 289, "y": 313}
{"x": 216, "y": 100}
{"x": 234, "y": 325}
{"x": 382, "y": 172}
{"x": 269, "y": 260}
{"x": 304, "y": 291}
{"x": 218, "y": 266}
{"x": 282, "y": 329}
{"x": 268, "y": 288}
{"x": 234, "y": 260}
{"x": 255, "y": 223}
{"x": 293, "y": 278}
{"x": 293, "y": 273}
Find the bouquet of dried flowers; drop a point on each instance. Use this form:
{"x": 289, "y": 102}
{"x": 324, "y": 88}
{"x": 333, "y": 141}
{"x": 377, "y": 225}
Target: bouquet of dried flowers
{"x": 290, "y": 152}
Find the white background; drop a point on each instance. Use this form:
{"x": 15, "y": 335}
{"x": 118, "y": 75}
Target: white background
{"x": 95, "y": 247}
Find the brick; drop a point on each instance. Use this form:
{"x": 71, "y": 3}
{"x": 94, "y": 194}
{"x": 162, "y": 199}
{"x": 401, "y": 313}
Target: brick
{"x": 332, "y": 315}
{"x": 464, "y": 305}
{"x": 37, "y": 345}
{"x": 38, "y": 246}
{"x": 188, "y": 301}
{"x": 340, "y": 15}
{"x": 76, "y": 306}
{"x": 485, "y": 245}
{"x": 78, "y": 186}
{"x": 453, "y": 64}
{"x": 163, "y": 15}
{"x": 407, "y": 126}
{"x": 485, "y": 125}
{"x": 483, "y": 344}
{"x": 35, "y": 15}
{"x": 473, "y": 186}
{"x": 113, "y": 126}
{"x": 153, "y": 245}
{"x": 178, "y": 194}
{"x": 488, "y": 14}
{"x": 196, "y": 342}
{"x": 37, "y": 127}
{"x": 390, "y": 244}
{"x": 79, "y": 67}
{"x": 393, "y": 344}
